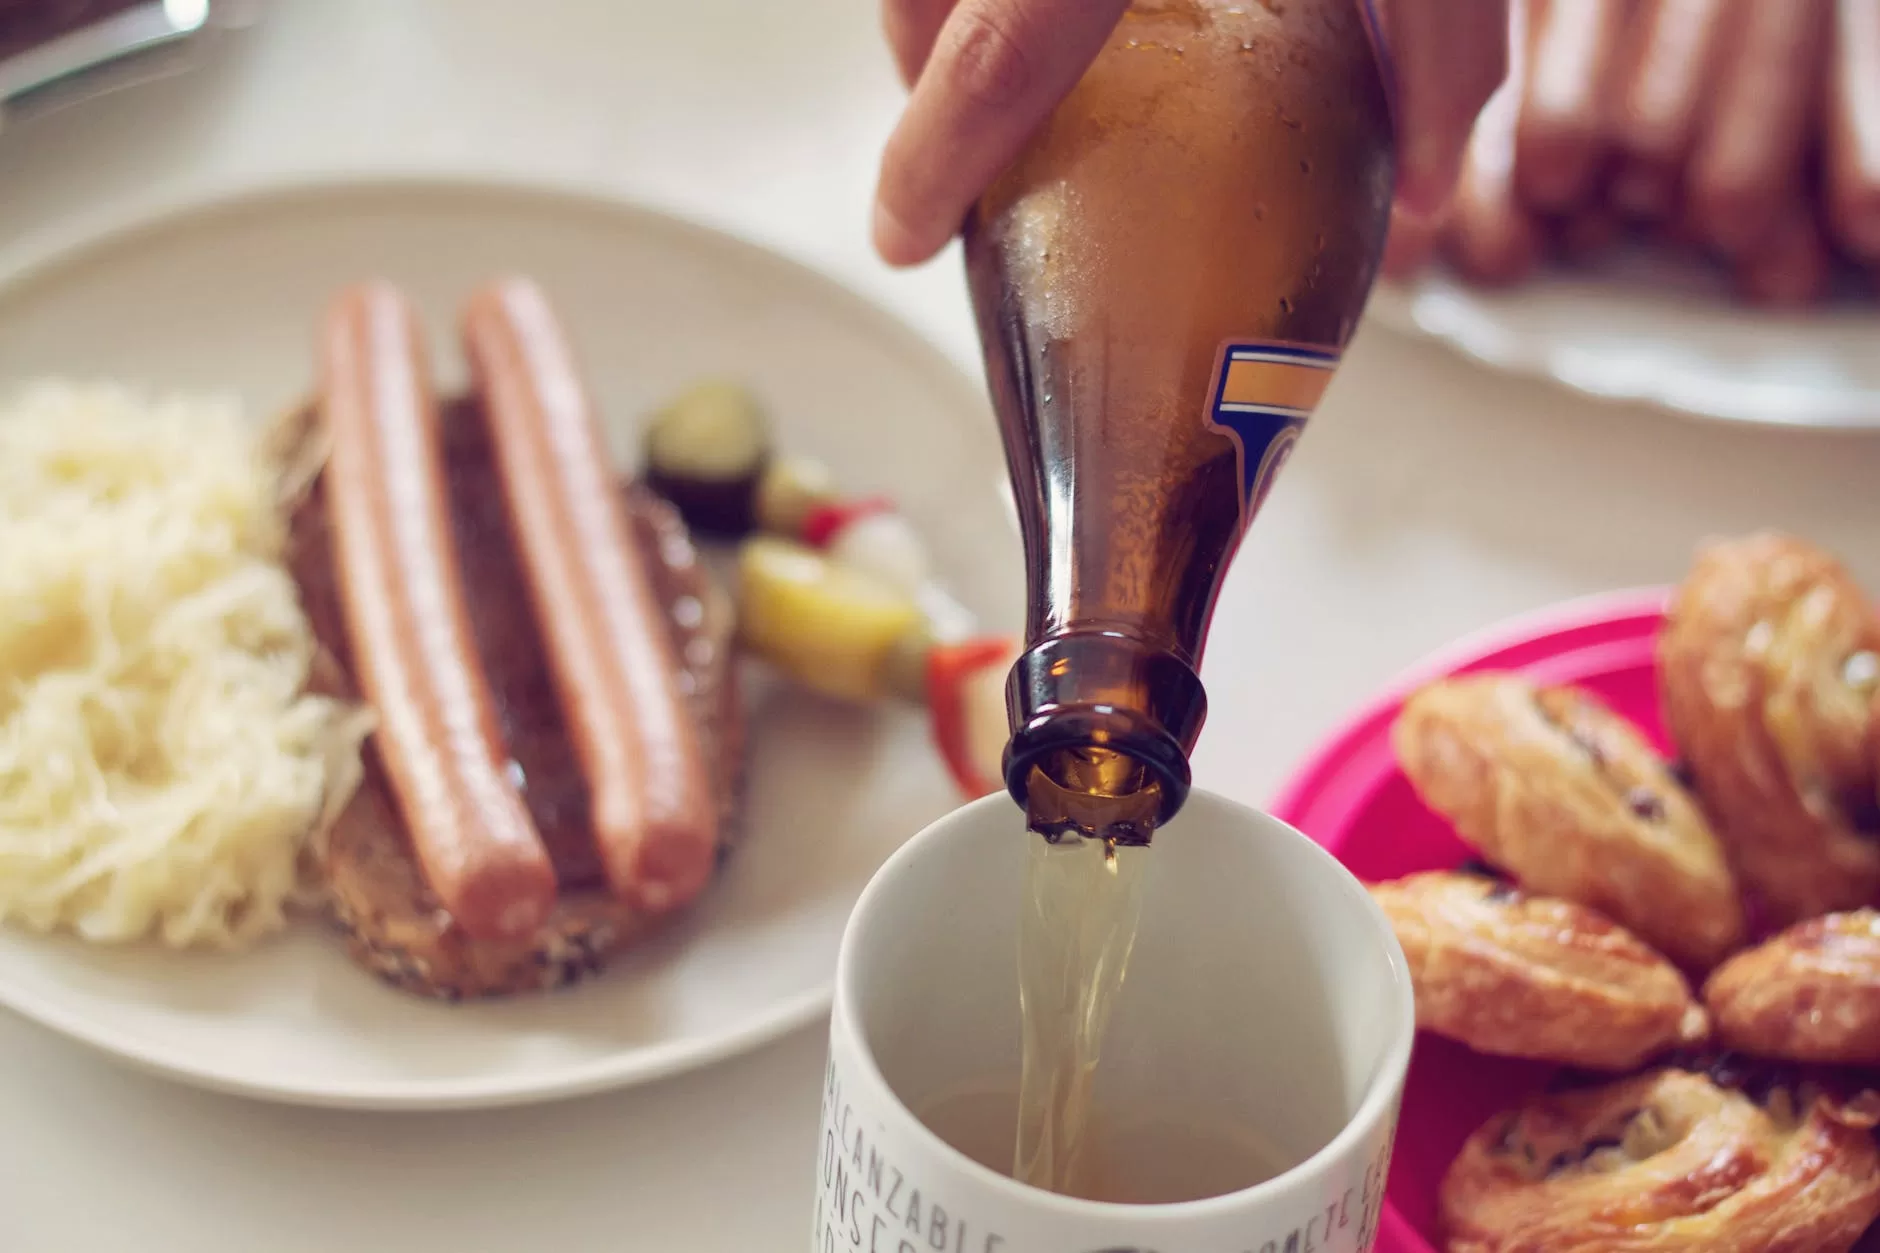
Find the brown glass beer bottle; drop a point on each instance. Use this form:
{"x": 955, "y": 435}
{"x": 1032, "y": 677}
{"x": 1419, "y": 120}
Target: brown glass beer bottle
{"x": 1164, "y": 282}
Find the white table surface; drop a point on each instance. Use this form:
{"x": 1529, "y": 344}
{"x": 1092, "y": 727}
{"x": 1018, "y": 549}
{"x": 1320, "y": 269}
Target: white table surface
{"x": 1430, "y": 499}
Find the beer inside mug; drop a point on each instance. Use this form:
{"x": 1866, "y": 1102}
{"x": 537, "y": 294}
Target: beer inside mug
{"x": 1135, "y": 1156}
{"x": 1254, "y": 1020}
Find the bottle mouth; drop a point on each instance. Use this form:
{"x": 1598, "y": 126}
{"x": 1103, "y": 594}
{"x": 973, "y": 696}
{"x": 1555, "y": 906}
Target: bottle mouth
{"x": 1106, "y": 723}
{"x": 1094, "y": 793}
{"x": 1072, "y": 784}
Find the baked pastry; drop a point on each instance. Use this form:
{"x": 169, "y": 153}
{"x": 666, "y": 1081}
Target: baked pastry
{"x": 1525, "y": 976}
{"x": 1770, "y": 662}
{"x": 374, "y": 887}
{"x": 1667, "y": 1161}
{"x": 1811, "y": 994}
{"x": 1552, "y": 786}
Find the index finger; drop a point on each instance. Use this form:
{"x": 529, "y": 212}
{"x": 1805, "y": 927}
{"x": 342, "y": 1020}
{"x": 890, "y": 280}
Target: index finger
{"x": 997, "y": 70}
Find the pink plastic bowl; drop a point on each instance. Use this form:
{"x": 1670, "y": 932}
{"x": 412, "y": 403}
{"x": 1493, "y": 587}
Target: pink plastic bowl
{"x": 1350, "y": 796}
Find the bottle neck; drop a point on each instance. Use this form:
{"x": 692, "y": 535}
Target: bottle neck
{"x": 1103, "y": 724}
{"x": 1163, "y": 282}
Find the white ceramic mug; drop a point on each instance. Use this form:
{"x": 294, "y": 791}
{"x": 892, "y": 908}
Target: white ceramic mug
{"x": 1266, "y": 988}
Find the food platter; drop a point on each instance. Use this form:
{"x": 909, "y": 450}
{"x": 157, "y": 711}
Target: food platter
{"x": 1351, "y": 795}
{"x": 225, "y": 298}
{"x": 1659, "y": 334}
{"x": 1670, "y": 206}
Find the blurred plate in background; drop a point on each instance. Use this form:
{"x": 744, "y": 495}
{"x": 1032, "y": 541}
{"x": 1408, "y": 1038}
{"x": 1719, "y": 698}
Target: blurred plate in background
{"x": 1662, "y": 336}
{"x": 56, "y": 54}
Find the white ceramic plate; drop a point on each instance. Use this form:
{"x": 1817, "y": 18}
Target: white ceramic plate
{"x": 1660, "y": 334}
{"x": 227, "y": 298}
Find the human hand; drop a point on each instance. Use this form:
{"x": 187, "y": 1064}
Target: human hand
{"x": 986, "y": 73}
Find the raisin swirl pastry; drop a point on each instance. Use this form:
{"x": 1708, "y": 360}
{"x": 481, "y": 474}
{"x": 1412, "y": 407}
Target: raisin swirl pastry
{"x": 1769, "y": 663}
{"x": 1524, "y": 976}
{"x": 1811, "y": 994}
{"x": 1552, "y": 786}
{"x": 1665, "y": 1162}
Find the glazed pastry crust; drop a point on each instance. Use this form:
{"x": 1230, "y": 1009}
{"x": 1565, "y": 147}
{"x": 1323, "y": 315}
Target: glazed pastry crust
{"x": 1665, "y": 1162}
{"x": 1811, "y": 994}
{"x": 1525, "y": 976}
{"x": 1767, "y": 663}
{"x": 1551, "y": 785}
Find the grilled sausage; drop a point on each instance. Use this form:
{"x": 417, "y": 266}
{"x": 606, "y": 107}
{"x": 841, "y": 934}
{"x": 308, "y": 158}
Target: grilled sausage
{"x": 615, "y": 671}
{"x": 1748, "y": 163}
{"x": 401, "y": 589}
{"x": 1667, "y": 70}
{"x": 1560, "y": 137}
{"x": 1852, "y": 127}
{"x": 1587, "y": 234}
{"x": 1791, "y": 267}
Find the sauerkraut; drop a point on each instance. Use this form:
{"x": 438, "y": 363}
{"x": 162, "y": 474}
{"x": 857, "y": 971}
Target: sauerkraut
{"x": 162, "y": 765}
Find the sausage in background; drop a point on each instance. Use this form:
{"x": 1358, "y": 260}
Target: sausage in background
{"x": 1748, "y": 163}
{"x": 610, "y": 650}
{"x": 1491, "y": 237}
{"x": 1585, "y": 235}
{"x": 1573, "y": 62}
{"x": 1671, "y": 50}
{"x": 1792, "y": 267}
{"x": 1851, "y": 140}
{"x": 402, "y": 593}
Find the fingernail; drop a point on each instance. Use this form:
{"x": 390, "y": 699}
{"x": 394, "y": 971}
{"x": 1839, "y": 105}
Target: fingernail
{"x": 897, "y": 244}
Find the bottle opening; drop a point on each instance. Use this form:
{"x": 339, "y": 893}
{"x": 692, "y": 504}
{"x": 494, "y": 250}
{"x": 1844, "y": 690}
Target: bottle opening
{"x": 1093, "y": 793}
{"x": 1102, "y": 724}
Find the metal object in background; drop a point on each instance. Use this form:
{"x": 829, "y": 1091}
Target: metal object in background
{"x": 125, "y": 46}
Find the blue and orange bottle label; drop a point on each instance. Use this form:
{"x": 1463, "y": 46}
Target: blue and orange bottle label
{"x": 1263, "y": 394}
